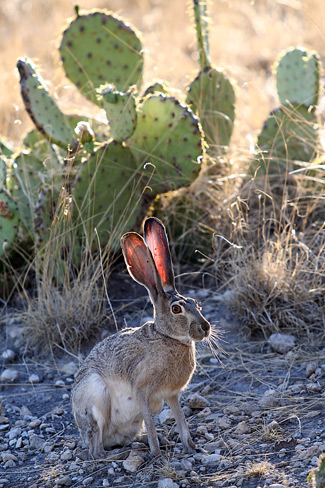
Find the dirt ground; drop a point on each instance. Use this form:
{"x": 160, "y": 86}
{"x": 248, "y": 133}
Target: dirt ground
{"x": 256, "y": 415}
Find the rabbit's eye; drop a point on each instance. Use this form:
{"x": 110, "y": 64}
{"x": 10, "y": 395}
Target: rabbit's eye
{"x": 176, "y": 309}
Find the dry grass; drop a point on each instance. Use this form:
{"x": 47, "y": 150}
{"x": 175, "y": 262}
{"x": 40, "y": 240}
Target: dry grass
{"x": 272, "y": 232}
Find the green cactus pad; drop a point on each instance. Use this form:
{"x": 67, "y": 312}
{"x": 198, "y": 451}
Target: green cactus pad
{"x": 297, "y": 77}
{"x": 120, "y": 111}
{"x": 156, "y": 86}
{"x": 30, "y": 173}
{"x": 5, "y": 148}
{"x": 168, "y": 135}
{"x": 9, "y": 221}
{"x": 106, "y": 194}
{"x": 3, "y": 172}
{"x": 43, "y": 216}
{"x": 100, "y": 48}
{"x": 290, "y": 133}
{"x": 212, "y": 97}
{"x": 41, "y": 107}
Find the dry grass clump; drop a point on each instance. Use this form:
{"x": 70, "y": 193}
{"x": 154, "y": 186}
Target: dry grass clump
{"x": 274, "y": 258}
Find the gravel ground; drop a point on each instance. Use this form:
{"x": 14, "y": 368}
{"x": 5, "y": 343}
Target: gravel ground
{"x": 256, "y": 416}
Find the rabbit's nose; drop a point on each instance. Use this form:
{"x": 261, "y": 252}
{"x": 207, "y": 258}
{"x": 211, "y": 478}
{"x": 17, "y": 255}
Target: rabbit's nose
{"x": 206, "y": 328}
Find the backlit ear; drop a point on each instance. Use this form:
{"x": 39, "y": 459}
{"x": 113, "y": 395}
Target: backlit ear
{"x": 156, "y": 239}
{"x": 140, "y": 263}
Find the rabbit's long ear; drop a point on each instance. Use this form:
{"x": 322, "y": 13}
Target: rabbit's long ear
{"x": 140, "y": 264}
{"x": 156, "y": 239}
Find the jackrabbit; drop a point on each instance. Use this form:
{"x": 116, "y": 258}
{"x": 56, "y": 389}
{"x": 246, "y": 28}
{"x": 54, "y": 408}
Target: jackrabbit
{"x": 126, "y": 377}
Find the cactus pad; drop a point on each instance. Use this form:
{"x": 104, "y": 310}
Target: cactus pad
{"x": 212, "y": 97}
{"x": 290, "y": 133}
{"x": 156, "y": 86}
{"x": 5, "y": 149}
{"x": 168, "y": 135}
{"x": 43, "y": 216}
{"x": 30, "y": 173}
{"x": 106, "y": 194}
{"x": 297, "y": 77}
{"x": 100, "y": 48}
{"x": 9, "y": 221}
{"x": 41, "y": 107}
{"x": 3, "y": 172}
{"x": 120, "y": 111}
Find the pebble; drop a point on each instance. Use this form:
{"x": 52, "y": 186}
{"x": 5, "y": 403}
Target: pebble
{"x": 133, "y": 461}
{"x": 211, "y": 458}
{"x": 243, "y": 428}
{"x": 276, "y": 485}
{"x": 186, "y": 465}
{"x": 166, "y": 416}
{"x": 197, "y": 401}
{"x": 69, "y": 368}
{"x": 9, "y": 376}
{"x": 224, "y": 422}
{"x": 167, "y": 483}
{"x": 8, "y": 355}
{"x": 7, "y": 456}
{"x": 269, "y": 399}
{"x": 282, "y": 343}
{"x": 204, "y": 413}
{"x": 36, "y": 442}
{"x": 64, "y": 481}
{"x": 88, "y": 481}
{"x": 34, "y": 378}
{"x": 9, "y": 464}
{"x": 310, "y": 368}
{"x": 66, "y": 455}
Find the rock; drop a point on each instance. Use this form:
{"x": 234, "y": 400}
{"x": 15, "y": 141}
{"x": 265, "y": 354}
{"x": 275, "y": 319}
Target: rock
{"x": 24, "y": 411}
{"x": 186, "y": 465}
{"x": 9, "y": 376}
{"x": 8, "y": 355}
{"x": 14, "y": 433}
{"x": 269, "y": 399}
{"x": 167, "y": 483}
{"x": 4, "y": 420}
{"x": 66, "y": 455}
{"x": 34, "y": 423}
{"x": 307, "y": 453}
{"x": 276, "y": 485}
{"x": 64, "y": 481}
{"x": 9, "y": 464}
{"x": 133, "y": 461}
{"x": 310, "y": 368}
{"x": 211, "y": 459}
{"x": 224, "y": 422}
{"x": 34, "y": 378}
{"x": 88, "y": 481}
{"x": 313, "y": 387}
{"x": 36, "y": 442}
{"x": 243, "y": 428}
{"x": 166, "y": 416}
{"x": 106, "y": 483}
{"x": 69, "y": 368}
{"x": 7, "y": 456}
{"x": 197, "y": 401}
{"x": 282, "y": 343}
{"x": 204, "y": 413}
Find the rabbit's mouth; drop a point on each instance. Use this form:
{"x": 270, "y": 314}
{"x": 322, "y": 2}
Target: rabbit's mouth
{"x": 200, "y": 331}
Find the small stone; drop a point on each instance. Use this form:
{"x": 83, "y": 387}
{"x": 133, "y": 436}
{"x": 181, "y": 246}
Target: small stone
{"x": 34, "y": 423}
{"x": 88, "y": 481}
{"x": 197, "y": 401}
{"x": 69, "y": 368}
{"x": 186, "y": 465}
{"x": 24, "y": 411}
{"x": 133, "y": 461}
{"x": 36, "y": 442}
{"x": 9, "y": 376}
{"x": 4, "y": 420}
{"x": 166, "y": 416}
{"x": 313, "y": 387}
{"x": 66, "y": 455}
{"x": 8, "y": 355}
{"x": 64, "y": 481}
{"x": 276, "y": 485}
{"x": 105, "y": 482}
{"x": 14, "y": 433}
{"x": 167, "y": 483}
{"x": 307, "y": 453}
{"x": 59, "y": 383}
{"x": 7, "y": 456}
{"x": 211, "y": 458}
{"x": 9, "y": 464}
{"x": 282, "y": 343}
{"x": 224, "y": 422}
{"x": 34, "y": 378}
{"x": 243, "y": 428}
{"x": 3, "y": 481}
{"x": 204, "y": 413}
{"x": 269, "y": 399}
{"x": 310, "y": 368}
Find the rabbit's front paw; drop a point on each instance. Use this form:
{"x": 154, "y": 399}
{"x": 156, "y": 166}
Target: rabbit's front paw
{"x": 189, "y": 445}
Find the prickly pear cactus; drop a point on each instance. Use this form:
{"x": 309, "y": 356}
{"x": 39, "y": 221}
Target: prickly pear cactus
{"x": 120, "y": 111}
{"x": 100, "y": 48}
{"x": 30, "y": 173}
{"x": 43, "y": 216}
{"x": 9, "y": 221}
{"x": 3, "y": 172}
{"x": 297, "y": 77}
{"x": 211, "y": 95}
{"x": 168, "y": 136}
{"x": 107, "y": 194}
{"x": 156, "y": 86}
{"x": 317, "y": 475}
{"x": 5, "y": 148}
{"x": 289, "y": 134}
{"x": 41, "y": 107}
